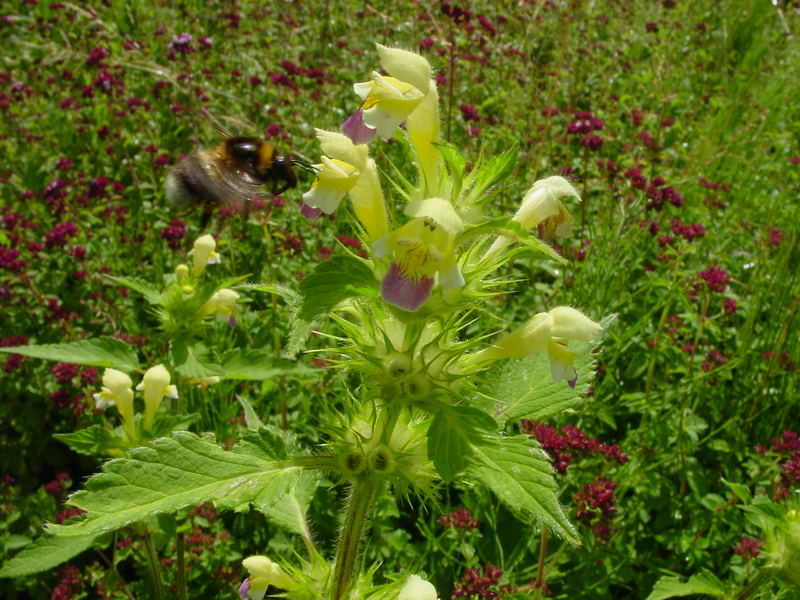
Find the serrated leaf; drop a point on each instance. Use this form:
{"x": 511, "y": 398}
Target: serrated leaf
{"x": 524, "y": 388}
{"x": 331, "y": 282}
{"x": 193, "y": 360}
{"x": 96, "y": 352}
{"x": 520, "y": 475}
{"x": 45, "y": 553}
{"x": 172, "y": 473}
{"x": 453, "y": 432}
{"x": 257, "y": 365}
{"x": 704, "y": 582}
{"x": 740, "y": 490}
{"x": 94, "y": 441}
{"x": 151, "y": 294}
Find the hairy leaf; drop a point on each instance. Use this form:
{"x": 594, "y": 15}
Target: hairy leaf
{"x": 96, "y": 352}
{"x": 331, "y": 282}
{"x": 47, "y": 552}
{"x": 192, "y": 360}
{"x": 151, "y": 294}
{"x": 520, "y": 475}
{"x": 703, "y": 582}
{"x": 174, "y": 472}
{"x": 257, "y": 365}
{"x": 453, "y": 432}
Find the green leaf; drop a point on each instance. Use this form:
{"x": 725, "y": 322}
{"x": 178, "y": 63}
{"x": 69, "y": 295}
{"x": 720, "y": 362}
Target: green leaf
{"x": 193, "y": 360}
{"x": 456, "y": 162}
{"x": 452, "y": 434}
{"x": 251, "y": 418}
{"x": 703, "y": 582}
{"x": 257, "y": 365}
{"x": 96, "y": 352}
{"x": 523, "y": 388}
{"x": 151, "y": 294}
{"x": 740, "y": 490}
{"x": 47, "y": 552}
{"x": 520, "y": 475}
{"x": 95, "y": 441}
{"x": 332, "y": 281}
{"x": 175, "y": 472}
{"x": 491, "y": 172}
{"x": 290, "y": 512}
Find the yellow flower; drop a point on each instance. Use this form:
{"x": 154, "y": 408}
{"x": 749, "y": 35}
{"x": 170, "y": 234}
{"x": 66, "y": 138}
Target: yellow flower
{"x": 416, "y": 588}
{"x": 263, "y": 573}
{"x": 155, "y": 385}
{"x": 117, "y": 390}
{"x": 223, "y": 303}
{"x": 421, "y": 248}
{"x": 387, "y": 102}
{"x": 334, "y": 179}
{"x": 203, "y": 253}
{"x": 546, "y": 332}
{"x": 541, "y": 205}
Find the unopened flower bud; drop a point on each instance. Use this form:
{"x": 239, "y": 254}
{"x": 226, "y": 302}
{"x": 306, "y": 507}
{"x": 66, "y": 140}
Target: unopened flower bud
{"x": 203, "y": 253}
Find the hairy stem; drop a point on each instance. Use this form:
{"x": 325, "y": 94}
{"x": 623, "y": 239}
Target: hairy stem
{"x": 153, "y": 566}
{"x": 181, "y": 565}
{"x": 358, "y": 504}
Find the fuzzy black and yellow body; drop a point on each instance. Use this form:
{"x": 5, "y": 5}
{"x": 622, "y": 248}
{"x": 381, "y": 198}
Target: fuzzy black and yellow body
{"x": 229, "y": 174}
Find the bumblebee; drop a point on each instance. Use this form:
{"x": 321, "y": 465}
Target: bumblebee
{"x": 229, "y": 174}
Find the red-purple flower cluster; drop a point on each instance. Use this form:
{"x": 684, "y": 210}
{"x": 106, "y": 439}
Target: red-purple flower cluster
{"x": 70, "y": 583}
{"x": 13, "y": 362}
{"x": 174, "y": 233}
{"x": 656, "y": 190}
{"x": 715, "y": 277}
{"x": 458, "y": 519}
{"x": 476, "y": 585}
{"x": 596, "y": 506}
{"x": 714, "y": 360}
{"x": 748, "y": 548}
{"x": 563, "y": 446}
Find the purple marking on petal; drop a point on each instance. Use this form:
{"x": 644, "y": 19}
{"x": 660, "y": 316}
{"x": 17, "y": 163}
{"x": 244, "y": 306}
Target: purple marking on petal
{"x": 571, "y": 383}
{"x": 309, "y": 212}
{"x": 244, "y": 589}
{"x": 232, "y": 321}
{"x": 358, "y": 131}
{"x": 408, "y": 294}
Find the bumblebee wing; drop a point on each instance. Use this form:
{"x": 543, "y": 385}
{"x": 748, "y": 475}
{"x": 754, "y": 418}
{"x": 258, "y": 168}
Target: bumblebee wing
{"x": 194, "y": 181}
{"x": 238, "y": 184}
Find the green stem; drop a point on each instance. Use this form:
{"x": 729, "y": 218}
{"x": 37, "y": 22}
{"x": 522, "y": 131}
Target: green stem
{"x": 153, "y": 566}
{"x": 542, "y": 557}
{"x": 180, "y": 551}
{"x": 764, "y": 576}
{"x": 358, "y": 504}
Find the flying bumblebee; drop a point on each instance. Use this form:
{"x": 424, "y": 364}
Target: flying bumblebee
{"x": 229, "y": 174}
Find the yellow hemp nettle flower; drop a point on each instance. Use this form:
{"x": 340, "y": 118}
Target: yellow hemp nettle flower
{"x": 546, "y": 332}
{"x": 263, "y": 573}
{"x": 117, "y": 390}
{"x": 203, "y": 253}
{"x": 334, "y": 179}
{"x": 155, "y": 385}
{"x": 223, "y": 303}
{"x": 355, "y": 173}
{"x": 421, "y": 248}
{"x": 541, "y": 205}
{"x": 422, "y": 124}
{"x": 387, "y": 101}
{"x": 416, "y": 588}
